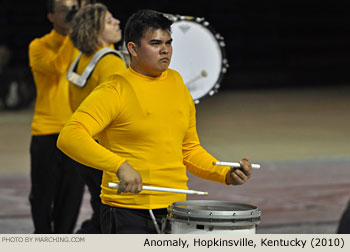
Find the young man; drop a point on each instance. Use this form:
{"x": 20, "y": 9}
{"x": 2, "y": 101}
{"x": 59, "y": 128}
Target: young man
{"x": 57, "y": 188}
{"x": 145, "y": 120}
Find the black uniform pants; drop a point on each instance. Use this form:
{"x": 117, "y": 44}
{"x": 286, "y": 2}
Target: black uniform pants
{"x": 92, "y": 178}
{"x": 344, "y": 223}
{"x": 57, "y": 188}
{"x": 116, "y": 220}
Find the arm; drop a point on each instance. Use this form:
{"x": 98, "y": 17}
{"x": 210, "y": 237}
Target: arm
{"x": 44, "y": 59}
{"x": 199, "y": 162}
{"x": 94, "y": 114}
{"x": 76, "y": 140}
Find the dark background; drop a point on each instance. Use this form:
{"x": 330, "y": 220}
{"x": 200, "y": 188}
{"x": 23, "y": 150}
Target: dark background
{"x": 268, "y": 43}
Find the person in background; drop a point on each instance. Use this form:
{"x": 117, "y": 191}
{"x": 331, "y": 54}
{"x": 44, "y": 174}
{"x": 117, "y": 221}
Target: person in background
{"x": 344, "y": 222}
{"x": 56, "y": 187}
{"x": 93, "y": 29}
{"x": 146, "y": 123}
{"x": 5, "y": 56}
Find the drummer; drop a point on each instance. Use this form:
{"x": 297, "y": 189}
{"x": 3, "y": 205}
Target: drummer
{"x": 146, "y": 123}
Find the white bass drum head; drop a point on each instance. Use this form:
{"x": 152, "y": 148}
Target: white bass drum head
{"x": 198, "y": 55}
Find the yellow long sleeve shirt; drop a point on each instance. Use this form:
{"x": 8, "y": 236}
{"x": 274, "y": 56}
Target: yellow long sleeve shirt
{"x": 148, "y": 122}
{"x": 106, "y": 67}
{"x": 49, "y": 59}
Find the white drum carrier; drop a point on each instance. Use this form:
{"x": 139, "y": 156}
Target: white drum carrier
{"x": 208, "y": 216}
{"x": 81, "y": 80}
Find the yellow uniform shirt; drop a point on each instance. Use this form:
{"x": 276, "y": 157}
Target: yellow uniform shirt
{"x": 149, "y": 122}
{"x": 107, "y": 66}
{"x": 49, "y": 59}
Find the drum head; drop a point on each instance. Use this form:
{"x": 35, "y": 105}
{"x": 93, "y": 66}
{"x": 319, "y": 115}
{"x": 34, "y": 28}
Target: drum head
{"x": 198, "y": 55}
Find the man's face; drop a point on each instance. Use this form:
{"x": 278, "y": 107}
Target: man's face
{"x": 60, "y": 11}
{"x": 154, "y": 54}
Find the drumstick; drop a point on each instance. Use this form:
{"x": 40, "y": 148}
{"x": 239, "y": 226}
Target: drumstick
{"x": 163, "y": 189}
{"x": 202, "y": 74}
{"x": 236, "y": 165}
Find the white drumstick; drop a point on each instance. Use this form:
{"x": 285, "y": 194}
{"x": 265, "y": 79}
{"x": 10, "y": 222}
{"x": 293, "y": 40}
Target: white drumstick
{"x": 163, "y": 189}
{"x": 203, "y": 74}
{"x": 236, "y": 165}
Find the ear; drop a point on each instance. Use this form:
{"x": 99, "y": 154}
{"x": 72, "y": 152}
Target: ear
{"x": 132, "y": 48}
{"x": 50, "y": 17}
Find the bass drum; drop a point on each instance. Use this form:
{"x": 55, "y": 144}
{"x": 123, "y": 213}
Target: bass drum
{"x": 198, "y": 55}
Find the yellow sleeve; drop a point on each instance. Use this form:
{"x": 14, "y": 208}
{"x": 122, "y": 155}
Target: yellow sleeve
{"x": 108, "y": 66}
{"x": 44, "y": 59}
{"x": 76, "y": 140}
{"x": 197, "y": 160}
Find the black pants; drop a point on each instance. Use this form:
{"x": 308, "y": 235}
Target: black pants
{"x": 116, "y": 220}
{"x": 92, "y": 178}
{"x": 344, "y": 223}
{"x": 57, "y": 188}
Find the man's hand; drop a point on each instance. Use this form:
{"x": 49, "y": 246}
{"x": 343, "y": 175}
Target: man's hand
{"x": 70, "y": 14}
{"x": 130, "y": 179}
{"x": 238, "y": 176}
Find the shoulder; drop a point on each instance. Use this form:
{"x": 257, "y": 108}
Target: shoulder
{"x": 175, "y": 74}
{"x": 180, "y": 82}
{"x": 116, "y": 83}
{"x": 42, "y": 43}
{"x": 36, "y": 48}
{"x": 112, "y": 59}
{"x": 38, "y": 41}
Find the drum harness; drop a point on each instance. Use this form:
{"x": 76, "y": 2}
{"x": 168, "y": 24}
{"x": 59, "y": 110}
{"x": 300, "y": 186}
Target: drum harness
{"x": 80, "y": 80}
{"x": 154, "y": 221}
{"x": 164, "y": 225}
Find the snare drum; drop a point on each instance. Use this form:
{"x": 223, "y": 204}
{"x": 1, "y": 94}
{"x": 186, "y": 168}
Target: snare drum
{"x": 198, "y": 55}
{"x": 210, "y": 216}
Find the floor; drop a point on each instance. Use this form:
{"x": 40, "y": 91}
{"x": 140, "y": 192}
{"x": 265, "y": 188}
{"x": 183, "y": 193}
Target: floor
{"x": 299, "y": 136}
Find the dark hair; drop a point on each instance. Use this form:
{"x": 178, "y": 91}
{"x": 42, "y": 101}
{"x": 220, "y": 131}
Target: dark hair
{"x": 139, "y": 22}
{"x": 50, "y": 6}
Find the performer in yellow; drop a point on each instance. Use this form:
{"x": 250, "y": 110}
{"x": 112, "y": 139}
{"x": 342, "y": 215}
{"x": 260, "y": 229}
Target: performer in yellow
{"x": 145, "y": 119}
{"x": 57, "y": 188}
{"x": 93, "y": 30}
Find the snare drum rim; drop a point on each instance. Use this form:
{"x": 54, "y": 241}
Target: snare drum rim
{"x": 249, "y": 217}
{"x": 221, "y": 43}
{"x": 209, "y": 222}
{"x": 177, "y": 209}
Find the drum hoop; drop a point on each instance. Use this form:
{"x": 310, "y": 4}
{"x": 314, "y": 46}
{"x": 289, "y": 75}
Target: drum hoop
{"x": 211, "y": 222}
{"x": 177, "y": 211}
{"x": 222, "y": 45}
